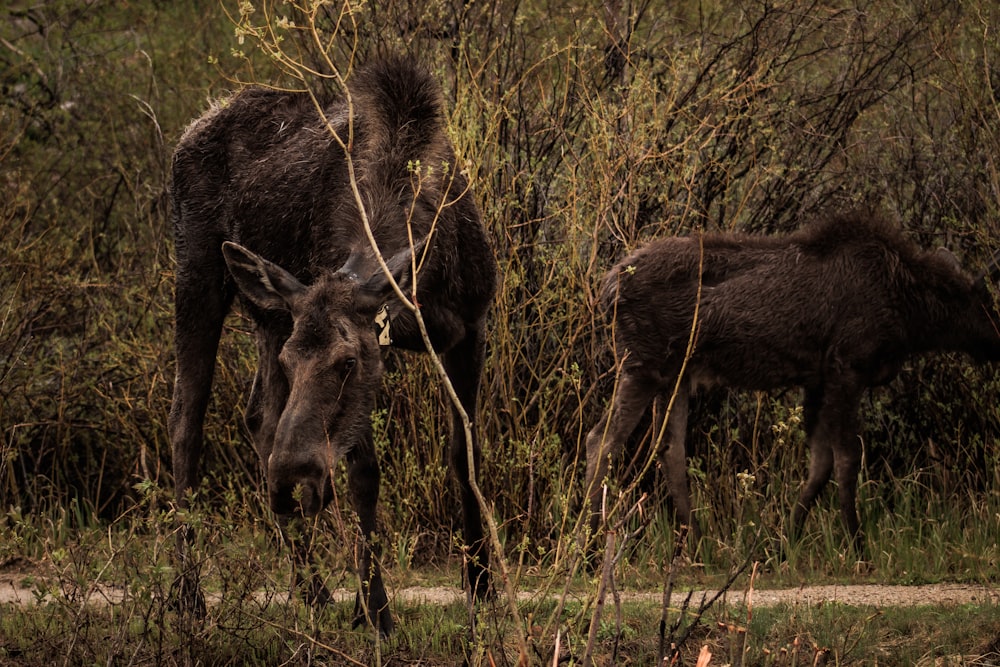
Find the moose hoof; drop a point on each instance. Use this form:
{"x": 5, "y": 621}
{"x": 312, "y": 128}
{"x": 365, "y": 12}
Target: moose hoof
{"x": 482, "y": 587}
{"x": 375, "y": 614}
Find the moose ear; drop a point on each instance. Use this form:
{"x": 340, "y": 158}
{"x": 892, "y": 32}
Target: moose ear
{"x": 400, "y": 265}
{"x": 264, "y": 283}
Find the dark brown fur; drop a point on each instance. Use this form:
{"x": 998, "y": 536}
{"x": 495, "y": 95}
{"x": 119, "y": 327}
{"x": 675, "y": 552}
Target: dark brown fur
{"x": 834, "y": 308}
{"x": 263, "y": 175}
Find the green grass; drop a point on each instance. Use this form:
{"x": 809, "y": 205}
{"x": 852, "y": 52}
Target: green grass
{"x": 251, "y": 619}
{"x": 866, "y": 636}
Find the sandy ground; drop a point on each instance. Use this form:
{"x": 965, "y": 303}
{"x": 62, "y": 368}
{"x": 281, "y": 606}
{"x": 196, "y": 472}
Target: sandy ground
{"x": 16, "y": 587}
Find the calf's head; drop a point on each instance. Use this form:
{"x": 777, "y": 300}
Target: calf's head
{"x": 331, "y": 362}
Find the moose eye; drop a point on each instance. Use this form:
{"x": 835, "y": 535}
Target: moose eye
{"x": 349, "y": 364}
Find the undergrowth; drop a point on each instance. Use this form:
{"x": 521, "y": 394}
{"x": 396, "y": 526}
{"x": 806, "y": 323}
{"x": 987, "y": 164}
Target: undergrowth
{"x": 584, "y": 134}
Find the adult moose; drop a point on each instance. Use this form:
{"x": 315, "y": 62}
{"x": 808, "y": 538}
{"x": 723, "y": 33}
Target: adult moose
{"x": 264, "y": 206}
{"x": 834, "y": 308}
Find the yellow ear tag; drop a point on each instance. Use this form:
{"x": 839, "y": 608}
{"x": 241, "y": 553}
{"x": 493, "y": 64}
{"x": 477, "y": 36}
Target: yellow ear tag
{"x": 382, "y": 325}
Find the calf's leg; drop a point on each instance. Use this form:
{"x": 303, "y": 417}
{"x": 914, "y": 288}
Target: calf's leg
{"x": 831, "y": 428}
{"x": 674, "y": 457}
{"x": 608, "y": 436}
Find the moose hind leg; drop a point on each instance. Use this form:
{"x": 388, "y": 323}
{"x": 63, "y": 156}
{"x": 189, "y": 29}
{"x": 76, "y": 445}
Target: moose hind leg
{"x": 364, "y": 477}
{"x": 674, "y": 457}
{"x": 606, "y": 439}
{"x": 464, "y": 364}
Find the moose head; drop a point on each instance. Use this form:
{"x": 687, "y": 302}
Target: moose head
{"x": 332, "y": 364}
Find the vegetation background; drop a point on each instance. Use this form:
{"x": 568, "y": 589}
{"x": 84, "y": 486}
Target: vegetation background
{"x": 587, "y": 128}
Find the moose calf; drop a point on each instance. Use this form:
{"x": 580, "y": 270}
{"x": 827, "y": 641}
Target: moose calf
{"x": 835, "y": 308}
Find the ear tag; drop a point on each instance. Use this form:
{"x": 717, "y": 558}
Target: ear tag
{"x": 382, "y": 326}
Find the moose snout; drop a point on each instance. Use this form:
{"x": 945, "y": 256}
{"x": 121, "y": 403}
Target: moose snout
{"x": 301, "y": 487}
{"x": 298, "y": 472}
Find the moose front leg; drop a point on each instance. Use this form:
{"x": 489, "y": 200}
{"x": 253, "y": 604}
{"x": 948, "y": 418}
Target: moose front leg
{"x": 464, "y": 364}
{"x": 820, "y": 459}
{"x": 297, "y": 532}
{"x": 831, "y": 421}
{"x": 363, "y": 475}
{"x": 846, "y": 466}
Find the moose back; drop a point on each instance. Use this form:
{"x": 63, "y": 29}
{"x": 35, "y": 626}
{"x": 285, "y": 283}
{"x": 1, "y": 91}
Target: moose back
{"x": 834, "y": 308}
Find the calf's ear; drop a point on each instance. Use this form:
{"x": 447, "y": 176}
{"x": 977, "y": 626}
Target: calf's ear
{"x": 265, "y": 283}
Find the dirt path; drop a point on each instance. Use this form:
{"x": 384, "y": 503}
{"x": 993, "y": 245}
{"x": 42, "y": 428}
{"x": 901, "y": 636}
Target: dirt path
{"x": 13, "y": 589}
{"x": 856, "y": 595}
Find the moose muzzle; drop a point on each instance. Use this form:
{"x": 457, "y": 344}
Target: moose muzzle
{"x": 298, "y": 472}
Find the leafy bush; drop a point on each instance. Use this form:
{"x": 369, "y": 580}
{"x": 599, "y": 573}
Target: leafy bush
{"x": 584, "y": 135}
